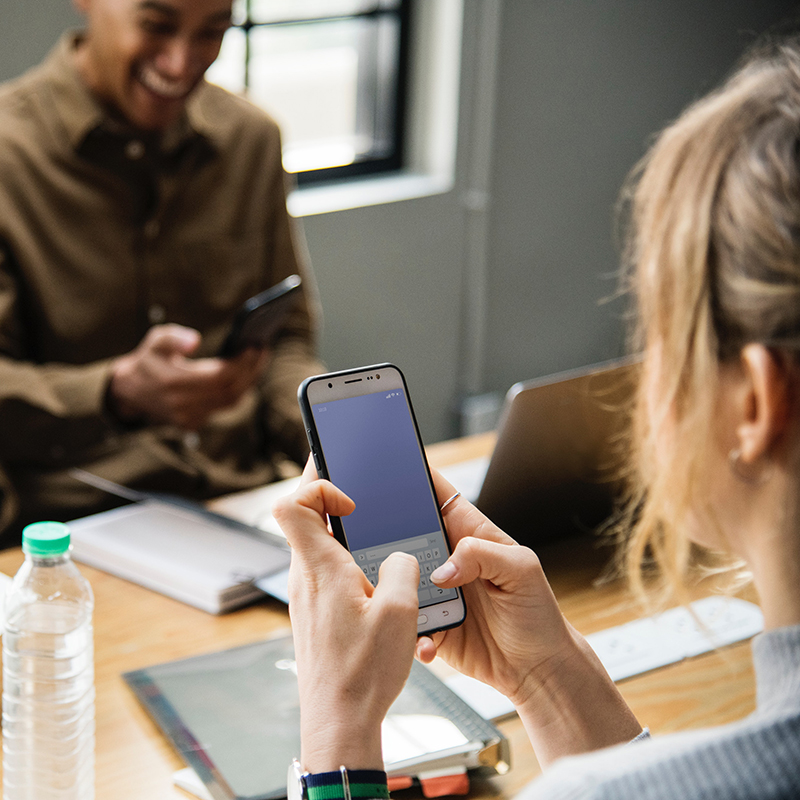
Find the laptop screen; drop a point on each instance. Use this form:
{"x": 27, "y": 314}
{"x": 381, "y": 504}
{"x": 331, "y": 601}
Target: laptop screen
{"x": 557, "y": 467}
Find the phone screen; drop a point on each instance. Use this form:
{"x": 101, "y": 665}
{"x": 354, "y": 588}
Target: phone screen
{"x": 372, "y": 452}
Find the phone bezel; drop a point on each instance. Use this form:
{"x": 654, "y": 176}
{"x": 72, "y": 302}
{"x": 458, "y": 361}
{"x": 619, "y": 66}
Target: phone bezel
{"x": 354, "y": 383}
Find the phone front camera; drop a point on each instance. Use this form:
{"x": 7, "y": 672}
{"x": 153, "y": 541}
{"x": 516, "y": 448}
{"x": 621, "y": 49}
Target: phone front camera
{"x": 378, "y": 377}
{"x": 330, "y": 386}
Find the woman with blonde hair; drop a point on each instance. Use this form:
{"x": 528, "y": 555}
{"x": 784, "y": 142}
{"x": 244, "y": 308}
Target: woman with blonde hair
{"x": 714, "y": 269}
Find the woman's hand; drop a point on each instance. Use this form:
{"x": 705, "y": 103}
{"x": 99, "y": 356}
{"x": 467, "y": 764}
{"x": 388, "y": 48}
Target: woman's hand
{"x": 354, "y": 644}
{"x": 516, "y": 639}
{"x": 514, "y": 629}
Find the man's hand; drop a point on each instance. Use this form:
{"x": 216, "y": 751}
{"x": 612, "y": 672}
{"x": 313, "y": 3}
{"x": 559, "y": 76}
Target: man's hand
{"x": 160, "y": 382}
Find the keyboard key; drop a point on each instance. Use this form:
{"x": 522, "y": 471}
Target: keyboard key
{"x": 429, "y": 560}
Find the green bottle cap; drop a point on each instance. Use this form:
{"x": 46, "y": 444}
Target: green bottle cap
{"x": 45, "y": 539}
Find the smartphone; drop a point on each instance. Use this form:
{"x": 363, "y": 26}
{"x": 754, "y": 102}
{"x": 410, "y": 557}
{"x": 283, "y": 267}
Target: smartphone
{"x": 365, "y": 440}
{"x": 260, "y": 317}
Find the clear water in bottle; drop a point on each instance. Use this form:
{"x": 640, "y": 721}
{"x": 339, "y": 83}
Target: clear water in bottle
{"x": 48, "y": 674}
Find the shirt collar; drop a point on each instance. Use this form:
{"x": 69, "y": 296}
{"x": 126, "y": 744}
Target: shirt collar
{"x": 76, "y": 109}
{"x": 80, "y": 113}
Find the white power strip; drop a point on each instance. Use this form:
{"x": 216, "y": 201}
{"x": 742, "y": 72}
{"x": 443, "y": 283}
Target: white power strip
{"x": 643, "y": 645}
{"x": 669, "y": 637}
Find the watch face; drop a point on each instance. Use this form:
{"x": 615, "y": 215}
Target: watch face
{"x": 295, "y": 783}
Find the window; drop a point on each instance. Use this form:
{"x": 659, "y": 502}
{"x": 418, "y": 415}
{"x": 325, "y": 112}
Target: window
{"x": 331, "y": 72}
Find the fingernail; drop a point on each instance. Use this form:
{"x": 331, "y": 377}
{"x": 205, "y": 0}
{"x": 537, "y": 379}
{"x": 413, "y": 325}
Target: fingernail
{"x": 444, "y": 573}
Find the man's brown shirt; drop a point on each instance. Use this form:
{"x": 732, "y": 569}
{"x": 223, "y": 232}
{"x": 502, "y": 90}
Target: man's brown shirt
{"x": 103, "y": 233}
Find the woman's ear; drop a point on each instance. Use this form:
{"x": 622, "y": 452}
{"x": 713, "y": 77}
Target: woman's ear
{"x": 765, "y": 403}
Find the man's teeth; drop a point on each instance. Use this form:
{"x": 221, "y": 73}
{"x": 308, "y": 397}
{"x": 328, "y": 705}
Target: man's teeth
{"x": 160, "y": 85}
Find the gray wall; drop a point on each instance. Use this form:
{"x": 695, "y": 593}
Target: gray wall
{"x": 584, "y": 85}
{"x": 581, "y": 86}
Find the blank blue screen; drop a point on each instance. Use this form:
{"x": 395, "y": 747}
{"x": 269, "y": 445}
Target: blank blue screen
{"x": 370, "y": 447}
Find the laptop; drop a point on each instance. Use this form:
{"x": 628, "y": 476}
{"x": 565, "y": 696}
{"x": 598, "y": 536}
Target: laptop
{"x": 558, "y": 463}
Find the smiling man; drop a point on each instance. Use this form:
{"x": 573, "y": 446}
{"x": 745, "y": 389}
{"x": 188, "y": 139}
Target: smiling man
{"x": 140, "y": 206}
{"x": 144, "y": 59}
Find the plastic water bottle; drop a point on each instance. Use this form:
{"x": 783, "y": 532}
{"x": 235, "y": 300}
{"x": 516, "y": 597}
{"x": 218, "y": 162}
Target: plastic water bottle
{"x": 48, "y": 673}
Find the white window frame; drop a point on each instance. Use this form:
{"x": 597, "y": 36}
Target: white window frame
{"x": 432, "y": 122}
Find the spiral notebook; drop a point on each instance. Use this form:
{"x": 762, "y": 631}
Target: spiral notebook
{"x": 180, "y": 548}
{"x": 234, "y": 718}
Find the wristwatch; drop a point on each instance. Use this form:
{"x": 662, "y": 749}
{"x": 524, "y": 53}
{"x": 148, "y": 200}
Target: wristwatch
{"x": 343, "y": 784}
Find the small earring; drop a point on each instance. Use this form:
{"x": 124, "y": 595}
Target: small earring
{"x": 750, "y": 474}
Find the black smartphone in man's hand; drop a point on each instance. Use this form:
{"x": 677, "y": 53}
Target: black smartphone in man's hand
{"x": 261, "y": 317}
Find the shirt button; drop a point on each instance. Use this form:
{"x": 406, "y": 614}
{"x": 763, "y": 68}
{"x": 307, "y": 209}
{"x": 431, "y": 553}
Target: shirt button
{"x": 156, "y": 314}
{"x": 134, "y": 150}
{"x": 152, "y": 228}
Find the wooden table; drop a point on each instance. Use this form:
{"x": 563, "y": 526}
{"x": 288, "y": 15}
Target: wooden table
{"x": 135, "y": 627}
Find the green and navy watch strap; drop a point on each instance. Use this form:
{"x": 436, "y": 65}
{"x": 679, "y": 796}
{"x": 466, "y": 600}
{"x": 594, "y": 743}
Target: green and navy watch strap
{"x": 356, "y": 784}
